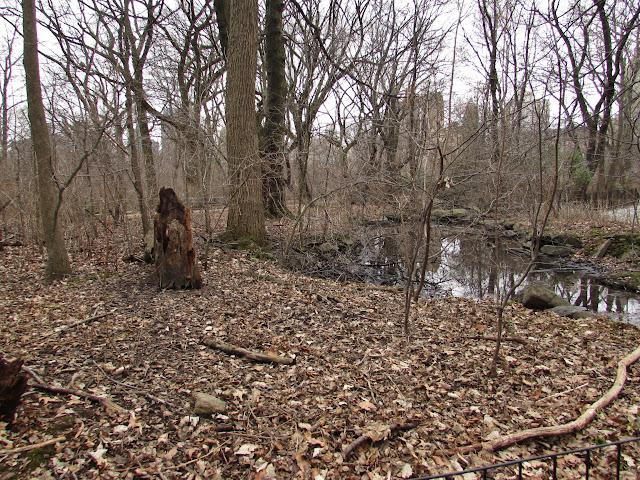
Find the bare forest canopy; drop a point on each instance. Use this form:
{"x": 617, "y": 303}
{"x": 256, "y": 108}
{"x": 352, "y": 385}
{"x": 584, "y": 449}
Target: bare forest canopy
{"x": 357, "y": 102}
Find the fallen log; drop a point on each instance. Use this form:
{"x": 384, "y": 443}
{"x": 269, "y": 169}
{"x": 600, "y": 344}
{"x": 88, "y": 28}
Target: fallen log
{"x": 571, "y": 427}
{"x": 248, "y": 354}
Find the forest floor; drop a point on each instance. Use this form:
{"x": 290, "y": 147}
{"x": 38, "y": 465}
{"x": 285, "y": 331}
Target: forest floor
{"x": 420, "y": 401}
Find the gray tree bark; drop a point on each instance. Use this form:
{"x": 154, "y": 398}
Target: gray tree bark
{"x": 245, "y": 220}
{"x": 57, "y": 264}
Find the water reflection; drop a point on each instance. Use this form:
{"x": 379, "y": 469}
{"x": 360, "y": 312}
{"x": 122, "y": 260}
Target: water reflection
{"x": 470, "y": 266}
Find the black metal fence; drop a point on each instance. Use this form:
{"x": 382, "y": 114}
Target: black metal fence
{"x": 515, "y": 468}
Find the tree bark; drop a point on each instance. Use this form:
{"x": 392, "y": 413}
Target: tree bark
{"x": 274, "y": 127}
{"x": 173, "y": 250}
{"x": 57, "y": 264}
{"x": 135, "y": 168}
{"x": 245, "y": 220}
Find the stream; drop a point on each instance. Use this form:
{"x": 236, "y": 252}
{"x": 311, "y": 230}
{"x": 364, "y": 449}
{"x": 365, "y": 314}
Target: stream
{"x": 467, "y": 265}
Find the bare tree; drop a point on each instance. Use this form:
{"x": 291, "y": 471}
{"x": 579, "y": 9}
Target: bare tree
{"x": 6, "y": 69}
{"x": 592, "y": 38}
{"x": 57, "y": 265}
{"x": 274, "y": 127}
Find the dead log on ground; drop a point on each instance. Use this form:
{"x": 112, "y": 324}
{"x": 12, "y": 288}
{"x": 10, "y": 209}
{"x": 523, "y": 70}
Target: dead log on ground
{"x": 12, "y": 385}
{"x": 243, "y": 352}
{"x": 173, "y": 250}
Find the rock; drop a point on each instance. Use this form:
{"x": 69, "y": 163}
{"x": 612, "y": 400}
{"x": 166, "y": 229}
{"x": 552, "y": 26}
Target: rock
{"x": 602, "y": 250}
{"x": 540, "y": 297}
{"x": 557, "y": 250}
{"x": 328, "y": 247}
{"x": 563, "y": 239}
{"x": 450, "y": 215}
{"x": 208, "y": 404}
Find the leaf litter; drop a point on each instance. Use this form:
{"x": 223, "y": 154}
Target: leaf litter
{"x": 355, "y": 377}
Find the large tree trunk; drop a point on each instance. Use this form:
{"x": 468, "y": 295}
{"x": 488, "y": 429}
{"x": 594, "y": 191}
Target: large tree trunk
{"x": 173, "y": 250}
{"x": 274, "y": 128}
{"x": 245, "y": 220}
{"x": 57, "y": 265}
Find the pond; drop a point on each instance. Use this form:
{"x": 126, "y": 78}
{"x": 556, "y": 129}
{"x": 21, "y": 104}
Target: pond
{"x": 467, "y": 265}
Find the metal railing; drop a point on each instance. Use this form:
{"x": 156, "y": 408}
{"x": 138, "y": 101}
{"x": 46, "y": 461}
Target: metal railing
{"x": 516, "y": 466}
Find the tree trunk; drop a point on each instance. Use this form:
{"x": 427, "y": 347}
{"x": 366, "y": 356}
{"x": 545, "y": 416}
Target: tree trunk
{"x": 274, "y": 127}
{"x": 57, "y": 265}
{"x": 173, "y": 250}
{"x": 245, "y": 220}
{"x": 135, "y": 168}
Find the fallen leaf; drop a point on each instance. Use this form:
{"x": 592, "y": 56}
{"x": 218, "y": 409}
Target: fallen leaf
{"x": 246, "y": 449}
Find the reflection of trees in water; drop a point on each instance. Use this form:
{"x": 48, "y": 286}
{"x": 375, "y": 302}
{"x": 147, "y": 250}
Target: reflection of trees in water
{"x": 469, "y": 266}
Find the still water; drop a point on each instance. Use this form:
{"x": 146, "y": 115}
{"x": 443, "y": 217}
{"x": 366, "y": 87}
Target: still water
{"x": 470, "y": 266}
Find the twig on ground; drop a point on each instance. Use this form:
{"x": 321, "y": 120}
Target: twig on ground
{"x": 26, "y": 448}
{"x": 559, "y": 394}
{"x": 104, "y": 401}
{"x": 243, "y": 352}
{"x": 75, "y": 324}
{"x": 519, "y": 340}
{"x": 571, "y": 427}
{"x": 132, "y": 388}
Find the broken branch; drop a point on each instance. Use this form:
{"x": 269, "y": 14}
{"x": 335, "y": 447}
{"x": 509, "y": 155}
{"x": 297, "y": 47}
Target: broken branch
{"x": 104, "y": 401}
{"x": 579, "y": 423}
{"x": 243, "y": 352}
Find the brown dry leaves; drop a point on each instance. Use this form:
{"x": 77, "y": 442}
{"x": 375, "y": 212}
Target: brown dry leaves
{"x": 354, "y": 375}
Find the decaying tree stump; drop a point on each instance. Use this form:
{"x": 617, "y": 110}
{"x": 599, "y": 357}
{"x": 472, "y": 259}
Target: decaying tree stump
{"x": 13, "y": 384}
{"x": 173, "y": 250}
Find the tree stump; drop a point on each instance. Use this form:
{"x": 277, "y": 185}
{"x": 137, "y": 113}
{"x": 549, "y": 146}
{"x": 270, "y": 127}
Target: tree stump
{"x": 12, "y": 385}
{"x": 173, "y": 250}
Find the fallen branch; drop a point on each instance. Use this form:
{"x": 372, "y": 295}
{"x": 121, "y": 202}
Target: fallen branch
{"x": 79, "y": 322}
{"x": 243, "y": 352}
{"x": 394, "y": 427}
{"x": 26, "y": 448}
{"x": 104, "y": 401}
{"x": 579, "y": 423}
{"x": 559, "y": 394}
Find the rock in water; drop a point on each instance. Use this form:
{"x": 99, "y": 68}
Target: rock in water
{"x": 540, "y": 297}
